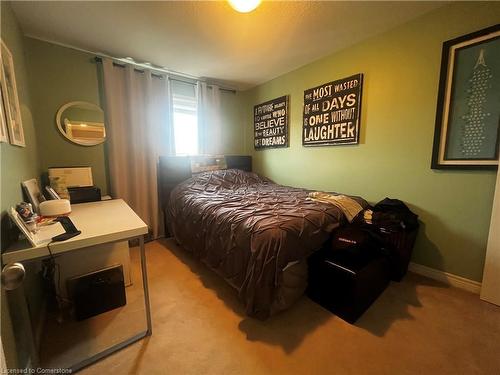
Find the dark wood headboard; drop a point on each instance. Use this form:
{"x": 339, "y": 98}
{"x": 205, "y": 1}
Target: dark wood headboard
{"x": 175, "y": 169}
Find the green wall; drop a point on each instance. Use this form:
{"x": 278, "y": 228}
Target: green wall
{"x": 17, "y": 164}
{"x": 233, "y": 129}
{"x": 401, "y": 74}
{"x": 58, "y": 75}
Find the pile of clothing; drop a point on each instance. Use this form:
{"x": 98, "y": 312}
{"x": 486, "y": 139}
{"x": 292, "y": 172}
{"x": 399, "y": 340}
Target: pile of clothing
{"x": 389, "y": 216}
{"x": 388, "y": 227}
{"x": 350, "y": 207}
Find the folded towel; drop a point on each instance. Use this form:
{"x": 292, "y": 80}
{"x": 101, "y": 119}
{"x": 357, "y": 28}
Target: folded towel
{"x": 349, "y": 206}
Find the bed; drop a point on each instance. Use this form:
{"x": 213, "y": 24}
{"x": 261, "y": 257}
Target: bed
{"x": 254, "y": 233}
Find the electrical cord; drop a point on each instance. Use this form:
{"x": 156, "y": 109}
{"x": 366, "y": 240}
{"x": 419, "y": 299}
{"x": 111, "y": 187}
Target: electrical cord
{"x": 50, "y": 251}
{"x": 50, "y": 276}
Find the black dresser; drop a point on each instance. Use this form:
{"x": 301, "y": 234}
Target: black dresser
{"x": 347, "y": 281}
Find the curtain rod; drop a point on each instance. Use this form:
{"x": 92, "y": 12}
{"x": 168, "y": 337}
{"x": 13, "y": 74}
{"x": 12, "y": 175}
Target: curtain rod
{"x": 171, "y": 76}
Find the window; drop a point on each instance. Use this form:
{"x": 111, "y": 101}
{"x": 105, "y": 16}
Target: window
{"x": 185, "y": 120}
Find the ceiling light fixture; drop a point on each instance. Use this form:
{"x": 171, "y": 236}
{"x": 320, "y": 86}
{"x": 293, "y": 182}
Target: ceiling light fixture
{"x": 244, "y": 6}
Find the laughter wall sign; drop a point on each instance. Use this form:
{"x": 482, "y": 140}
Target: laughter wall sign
{"x": 332, "y": 112}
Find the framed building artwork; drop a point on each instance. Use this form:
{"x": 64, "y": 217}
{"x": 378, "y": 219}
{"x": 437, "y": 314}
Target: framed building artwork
{"x": 466, "y": 134}
{"x": 10, "y": 99}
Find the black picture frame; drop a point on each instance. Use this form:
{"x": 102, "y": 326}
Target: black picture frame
{"x": 327, "y": 119}
{"x": 447, "y": 84}
{"x": 271, "y": 124}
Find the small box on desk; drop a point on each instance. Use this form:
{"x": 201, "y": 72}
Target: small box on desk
{"x": 347, "y": 281}
{"x": 84, "y": 194}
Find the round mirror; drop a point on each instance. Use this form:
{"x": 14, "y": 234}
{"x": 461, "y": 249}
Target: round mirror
{"x": 82, "y": 123}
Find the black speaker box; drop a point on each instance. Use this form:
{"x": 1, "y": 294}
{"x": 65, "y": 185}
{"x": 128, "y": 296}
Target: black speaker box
{"x": 97, "y": 292}
{"x": 347, "y": 281}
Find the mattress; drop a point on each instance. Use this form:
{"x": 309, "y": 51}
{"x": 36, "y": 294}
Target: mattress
{"x": 254, "y": 233}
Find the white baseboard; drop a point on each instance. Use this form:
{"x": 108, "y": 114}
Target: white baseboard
{"x": 447, "y": 278}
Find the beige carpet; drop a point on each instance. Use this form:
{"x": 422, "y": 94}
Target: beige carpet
{"x": 416, "y": 327}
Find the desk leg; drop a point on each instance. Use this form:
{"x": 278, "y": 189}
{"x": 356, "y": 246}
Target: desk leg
{"x": 145, "y": 285}
{"x": 135, "y": 338}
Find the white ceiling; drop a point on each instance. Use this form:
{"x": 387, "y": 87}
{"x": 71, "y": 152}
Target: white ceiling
{"x": 209, "y": 39}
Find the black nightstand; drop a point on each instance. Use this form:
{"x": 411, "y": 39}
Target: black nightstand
{"x": 347, "y": 281}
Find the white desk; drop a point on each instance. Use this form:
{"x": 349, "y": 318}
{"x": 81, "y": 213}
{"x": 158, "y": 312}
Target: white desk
{"x": 100, "y": 222}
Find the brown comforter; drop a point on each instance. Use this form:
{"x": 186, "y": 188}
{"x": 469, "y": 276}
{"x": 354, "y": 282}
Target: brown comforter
{"x": 248, "y": 229}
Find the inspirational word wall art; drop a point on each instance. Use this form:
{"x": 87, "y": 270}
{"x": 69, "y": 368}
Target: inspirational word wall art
{"x": 271, "y": 124}
{"x": 332, "y": 113}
